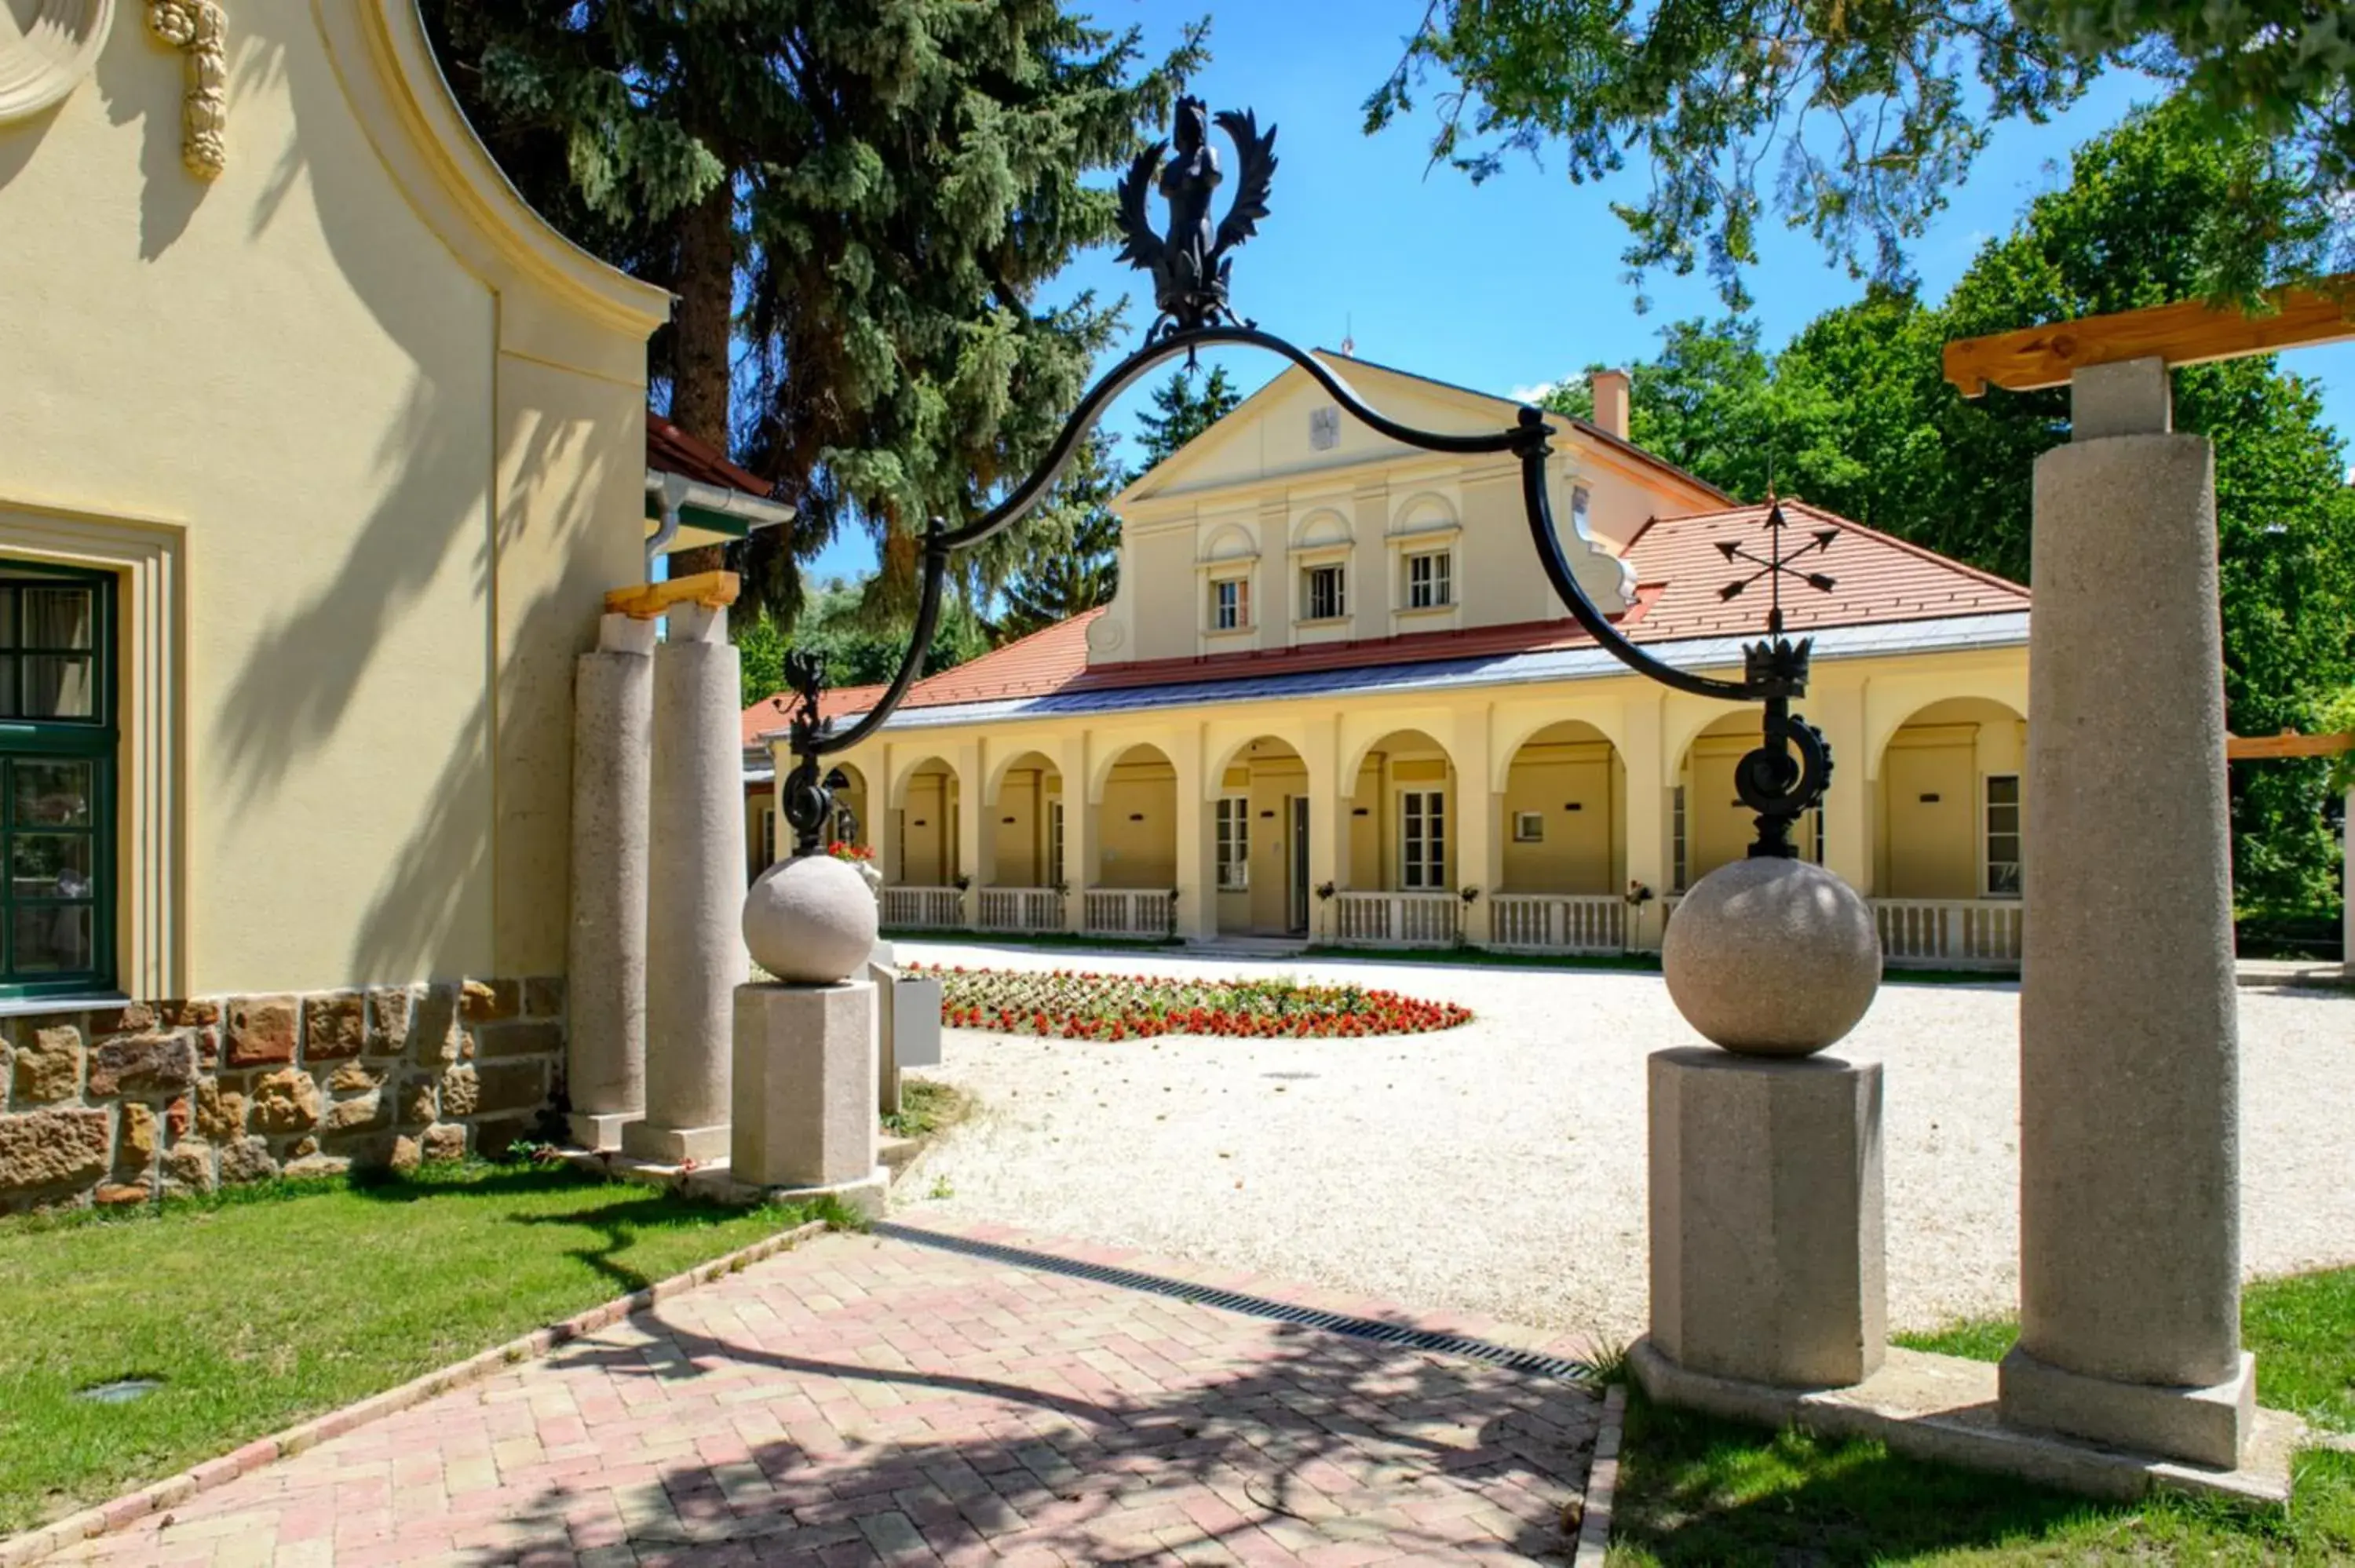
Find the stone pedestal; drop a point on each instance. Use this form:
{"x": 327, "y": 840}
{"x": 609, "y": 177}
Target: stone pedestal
{"x": 605, "y": 947}
{"x": 695, "y": 950}
{"x": 2129, "y": 1156}
{"x": 1767, "y": 1247}
{"x": 804, "y": 1089}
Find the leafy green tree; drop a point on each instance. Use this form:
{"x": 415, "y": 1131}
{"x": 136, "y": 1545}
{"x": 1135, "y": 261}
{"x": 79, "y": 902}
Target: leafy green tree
{"x": 835, "y": 624}
{"x": 1854, "y": 121}
{"x": 1078, "y": 567}
{"x": 1861, "y": 419}
{"x": 856, "y": 206}
{"x": 1182, "y": 411}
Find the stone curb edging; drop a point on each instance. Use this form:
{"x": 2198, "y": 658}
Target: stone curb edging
{"x": 1601, "y": 1481}
{"x": 16, "y": 1551}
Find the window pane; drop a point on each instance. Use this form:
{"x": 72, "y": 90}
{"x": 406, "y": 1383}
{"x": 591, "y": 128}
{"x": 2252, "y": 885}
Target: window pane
{"x": 7, "y": 617}
{"x": 2003, "y": 881}
{"x": 58, "y": 685}
{"x": 8, "y": 705}
{"x": 2003, "y": 789}
{"x": 51, "y": 939}
{"x": 49, "y": 866}
{"x": 52, "y": 794}
{"x": 55, "y": 617}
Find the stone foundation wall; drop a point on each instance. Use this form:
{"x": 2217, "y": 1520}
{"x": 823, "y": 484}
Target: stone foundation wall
{"x": 101, "y": 1107}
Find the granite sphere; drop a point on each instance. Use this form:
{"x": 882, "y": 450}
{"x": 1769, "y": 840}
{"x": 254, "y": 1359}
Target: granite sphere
{"x": 1769, "y": 957}
{"x": 810, "y": 920}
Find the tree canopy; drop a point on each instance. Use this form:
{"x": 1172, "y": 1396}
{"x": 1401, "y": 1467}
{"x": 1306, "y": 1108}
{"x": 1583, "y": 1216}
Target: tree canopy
{"x": 1182, "y": 411}
{"x": 856, "y": 206}
{"x": 1853, "y": 414}
{"x": 1077, "y": 566}
{"x": 1853, "y": 121}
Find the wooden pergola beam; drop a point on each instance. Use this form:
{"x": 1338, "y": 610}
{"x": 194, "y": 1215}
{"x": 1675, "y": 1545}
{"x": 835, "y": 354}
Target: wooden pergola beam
{"x": 713, "y": 590}
{"x": 2185, "y": 333}
{"x": 2249, "y": 748}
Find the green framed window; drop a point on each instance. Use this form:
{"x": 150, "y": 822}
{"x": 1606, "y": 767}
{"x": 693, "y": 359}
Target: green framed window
{"x": 56, "y": 781}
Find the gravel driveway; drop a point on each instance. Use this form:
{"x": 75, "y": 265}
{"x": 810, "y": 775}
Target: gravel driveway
{"x": 1498, "y": 1168}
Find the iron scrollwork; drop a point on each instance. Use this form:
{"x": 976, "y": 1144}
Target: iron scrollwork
{"x": 1191, "y": 267}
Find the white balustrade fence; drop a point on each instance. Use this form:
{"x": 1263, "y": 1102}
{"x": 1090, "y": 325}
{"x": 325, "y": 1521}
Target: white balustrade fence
{"x": 1558, "y": 922}
{"x": 1021, "y": 909}
{"x": 1950, "y": 933}
{"x": 1397, "y": 919}
{"x": 923, "y": 908}
{"x": 1126, "y": 912}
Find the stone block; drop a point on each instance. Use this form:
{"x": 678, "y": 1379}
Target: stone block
{"x": 142, "y": 1064}
{"x": 543, "y": 996}
{"x": 132, "y": 1018}
{"x": 189, "y": 1164}
{"x": 434, "y": 1036}
{"x": 518, "y": 1039}
{"x": 354, "y": 1078}
{"x": 284, "y": 1101}
{"x": 446, "y": 1141}
{"x": 371, "y": 1150}
{"x": 220, "y": 1111}
{"x": 2207, "y": 1425}
{"x": 135, "y": 1141}
{"x": 488, "y": 1001}
{"x": 122, "y": 1195}
{"x": 302, "y": 1147}
{"x": 314, "y": 1166}
{"x": 261, "y": 1031}
{"x": 49, "y": 1065}
{"x": 364, "y": 1113}
{"x": 415, "y": 1104}
{"x": 803, "y": 1106}
{"x": 52, "y": 1149}
{"x": 178, "y": 1115}
{"x": 511, "y": 1086}
{"x": 201, "y": 1014}
{"x": 915, "y": 1019}
{"x": 388, "y": 1019}
{"x": 461, "y": 1091}
{"x": 494, "y": 1137}
{"x": 335, "y": 1025}
{"x": 1767, "y": 1249}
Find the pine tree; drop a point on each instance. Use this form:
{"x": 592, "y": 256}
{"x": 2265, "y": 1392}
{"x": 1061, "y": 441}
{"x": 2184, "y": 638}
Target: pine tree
{"x": 1180, "y": 413}
{"x": 856, "y": 206}
{"x": 1079, "y": 567}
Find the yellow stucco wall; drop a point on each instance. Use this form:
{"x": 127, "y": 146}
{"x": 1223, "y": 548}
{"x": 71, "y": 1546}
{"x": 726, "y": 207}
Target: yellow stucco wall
{"x": 388, "y": 434}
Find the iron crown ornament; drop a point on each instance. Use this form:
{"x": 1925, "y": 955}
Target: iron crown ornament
{"x": 1190, "y": 264}
{"x": 1781, "y": 779}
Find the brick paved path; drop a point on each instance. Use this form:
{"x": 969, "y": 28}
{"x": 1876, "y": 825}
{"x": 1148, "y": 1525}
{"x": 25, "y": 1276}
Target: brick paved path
{"x": 892, "y": 1399}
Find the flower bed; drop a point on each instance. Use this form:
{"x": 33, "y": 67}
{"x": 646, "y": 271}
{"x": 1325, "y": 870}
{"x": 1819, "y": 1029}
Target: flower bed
{"x": 1083, "y": 1005}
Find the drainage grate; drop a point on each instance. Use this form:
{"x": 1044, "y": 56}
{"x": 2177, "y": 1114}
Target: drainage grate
{"x": 1368, "y": 1328}
{"x": 122, "y": 1391}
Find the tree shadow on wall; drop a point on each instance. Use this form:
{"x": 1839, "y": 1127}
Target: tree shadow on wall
{"x": 1008, "y": 1425}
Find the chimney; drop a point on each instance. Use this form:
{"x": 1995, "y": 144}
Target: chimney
{"x": 1611, "y": 401}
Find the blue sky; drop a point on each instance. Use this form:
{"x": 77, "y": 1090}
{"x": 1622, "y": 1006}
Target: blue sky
{"x": 1512, "y": 283}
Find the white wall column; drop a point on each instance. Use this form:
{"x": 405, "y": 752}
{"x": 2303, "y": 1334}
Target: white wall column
{"x": 1082, "y": 852}
{"x": 977, "y": 834}
{"x": 2129, "y": 1136}
{"x": 1648, "y": 778}
{"x": 1198, "y": 851}
{"x": 695, "y": 948}
{"x": 606, "y": 947}
{"x": 1838, "y": 712}
{"x": 1329, "y": 815}
{"x": 1478, "y": 852}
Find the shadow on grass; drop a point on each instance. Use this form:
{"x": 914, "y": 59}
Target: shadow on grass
{"x": 999, "y": 1425}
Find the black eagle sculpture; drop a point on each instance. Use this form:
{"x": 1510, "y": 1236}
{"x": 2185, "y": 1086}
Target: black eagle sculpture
{"x": 1190, "y": 264}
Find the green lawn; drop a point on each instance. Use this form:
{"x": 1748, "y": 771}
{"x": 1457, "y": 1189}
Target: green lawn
{"x": 268, "y": 1306}
{"x": 1694, "y": 1489}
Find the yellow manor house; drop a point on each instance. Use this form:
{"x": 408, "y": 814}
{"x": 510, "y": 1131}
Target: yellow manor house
{"x": 1336, "y": 699}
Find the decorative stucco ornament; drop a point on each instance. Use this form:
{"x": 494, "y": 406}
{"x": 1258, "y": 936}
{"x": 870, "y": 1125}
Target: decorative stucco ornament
{"x": 199, "y": 30}
{"x": 811, "y": 920}
{"x": 46, "y": 55}
{"x": 1772, "y": 956}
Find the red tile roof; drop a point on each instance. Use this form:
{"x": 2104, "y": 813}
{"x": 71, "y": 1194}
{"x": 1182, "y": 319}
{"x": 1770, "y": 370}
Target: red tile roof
{"x": 1679, "y": 570}
{"x": 770, "y": 715}
{"x": 670, "y": 449}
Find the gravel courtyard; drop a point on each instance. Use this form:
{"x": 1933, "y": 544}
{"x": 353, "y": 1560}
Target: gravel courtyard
{"x": 1498, "y": 1168}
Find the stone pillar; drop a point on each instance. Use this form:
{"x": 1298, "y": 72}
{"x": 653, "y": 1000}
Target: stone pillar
{"x": 695, "y": 951}
{"x": 2130, "y": 1156}
{"x": 1083, "y": 845}
{"x": 1838, "y": 712}
{"x": 1767, "y": 1246}
{"x": 605, "y": 949}
{"x": 803, "y": 1091}
{"x": 976, "y": 833}
{"x": 2346, "y": 885}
